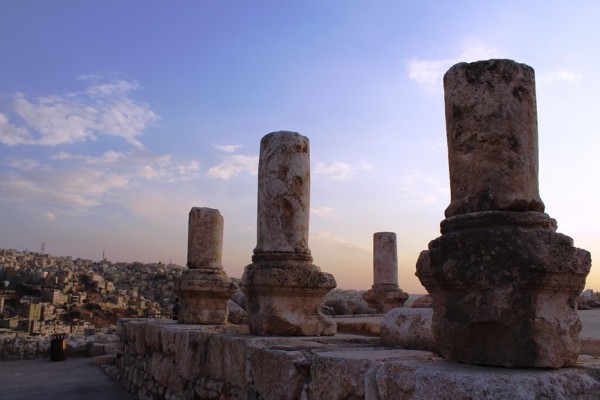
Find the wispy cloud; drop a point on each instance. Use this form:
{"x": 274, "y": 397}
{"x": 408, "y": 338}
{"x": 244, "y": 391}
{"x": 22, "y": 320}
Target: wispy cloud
{"x": 108, "y": 157}
{"x": 75, "y": 182}
{"x": 429, "y": 73}
{"x": 227, "y": 148}
{"x": 341, "y": 171}
{"x": 69, "y": 182}
{"x": 25, "y": 164}
{"x": 322, "y": 211}
{"x": 560, "y": 75}
{"x": 12, "y": 135}
{"x": 50, "y": 216}
{"x": 340, "y": 242}
{"x": 234, "y": 165}
{"x": 421, "y": 188}
{"x": 100, "y": 109}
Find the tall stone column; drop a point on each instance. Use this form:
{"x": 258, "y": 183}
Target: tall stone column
{"x": 283, "y": 288}
{"x": 204, "y": 289}
{"x": 504, "y": 283}
{"x": 385, "y": 294}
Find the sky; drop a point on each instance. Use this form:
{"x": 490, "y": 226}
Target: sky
{"x": 117, "y": 117}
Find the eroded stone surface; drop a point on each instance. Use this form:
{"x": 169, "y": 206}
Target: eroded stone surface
{"x": 284, "y": 296}
{"x": 385, "y": 259}
{"x": 409, "y": 328}
{"x": 205, "y": 238}
{"x": 283, "y": 288}
{"x": 385, "y": 294}
{"x": 491, "y": 123}
{"x": 204, "y": 289}
{"x": 505, "y": 293}
{"x": 283, "y": 193}
{"x": 504, "y": 283}
{"x": 225, "y": 362}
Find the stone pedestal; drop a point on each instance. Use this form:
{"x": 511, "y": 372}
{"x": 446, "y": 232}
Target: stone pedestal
{"x": 385, "y": 294}
{"x": 283, "y": 288}
{"x": 204, "y": 289}
{"x": 504, "y": 283}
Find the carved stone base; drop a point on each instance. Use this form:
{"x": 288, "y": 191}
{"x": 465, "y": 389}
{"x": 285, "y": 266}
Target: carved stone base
{"x": 505, "y": 288}
{"x": 383, "y": 298}
{"x": 203, "y": 296}
{"x": 284, "y": 293}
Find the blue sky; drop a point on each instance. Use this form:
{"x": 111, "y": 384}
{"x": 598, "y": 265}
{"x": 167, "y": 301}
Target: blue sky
{"x": 117, "y": 117}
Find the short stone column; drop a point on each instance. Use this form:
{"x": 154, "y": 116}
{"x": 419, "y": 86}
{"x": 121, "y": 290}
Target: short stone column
{"x": 504, "y": 283}
{"x": 385, "y": 293}
{"x": 204, "y": 289}
{"x": 283, "y": 288}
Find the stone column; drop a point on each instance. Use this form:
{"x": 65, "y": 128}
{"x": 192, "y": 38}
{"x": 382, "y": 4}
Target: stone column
{"x": 283, "y": 289}
{"x": 504, "y": 284}
{"x": 204, "y": 289}
{"x": 385, "y": 293}
{"x": 491, "y": 123}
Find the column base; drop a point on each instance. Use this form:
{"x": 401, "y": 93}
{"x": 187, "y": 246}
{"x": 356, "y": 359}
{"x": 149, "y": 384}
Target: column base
{"x": 203, "y": 297}
{"x": 384, "y": 298}
{"x": 505, "y": 288}
{"x": 284, "y": 294}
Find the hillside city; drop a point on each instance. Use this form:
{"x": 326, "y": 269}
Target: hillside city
{"x": 41, "y": 294}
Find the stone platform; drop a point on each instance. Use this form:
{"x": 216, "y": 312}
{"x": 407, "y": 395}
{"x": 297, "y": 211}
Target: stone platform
{"x": 162, "y": 359}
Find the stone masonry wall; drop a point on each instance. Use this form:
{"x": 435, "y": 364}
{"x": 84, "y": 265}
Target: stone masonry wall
{"x": 165, "y": 360}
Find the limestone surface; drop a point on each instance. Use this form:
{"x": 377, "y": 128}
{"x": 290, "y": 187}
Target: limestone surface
{"x": 205, "y": 238}
{"x": 283, "y": 289}
{"x": 409, "y": 328}
{"x": 504, "y": 288}
{"x": 204, "y": 289}
{"x": 491, "y": 123}
{"x": 204, "y": 296}
{"x": 283, "y": 193}
{"x": 385, "y": 298}
{"x": 284, "y": 297}
{"x": 169, "y": 360}
{"x": 385, "y": 259}
{"x": 504, "y": 283}
{"x": 385, "y": 294}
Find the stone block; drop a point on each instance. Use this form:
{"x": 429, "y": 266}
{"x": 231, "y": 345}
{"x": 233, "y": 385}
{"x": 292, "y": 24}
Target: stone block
{"x": 409, "y": 328}
{"x": 227, "y": 359}
{"x": 279, "y": 374}
{"x": 339, "y": 373}
{"x": 191, "y": 348}
{"x": 283, "y": 297}
{"x": 163, "y": 371}
{"x": 440, "y": 380}
{"x": 505, "y": 288}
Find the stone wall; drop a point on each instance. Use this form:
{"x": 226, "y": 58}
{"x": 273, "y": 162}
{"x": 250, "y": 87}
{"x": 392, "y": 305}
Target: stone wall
{"x": 166, "y": 360}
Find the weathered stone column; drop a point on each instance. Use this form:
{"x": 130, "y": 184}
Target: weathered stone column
{"x": 504, "y": 284}
{"x": 204, "y": 289}
{"x": 385, "y": 293}
{"x": 283, "y": 289}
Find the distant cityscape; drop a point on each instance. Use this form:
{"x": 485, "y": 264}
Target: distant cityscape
{"x": 41, "y": 294}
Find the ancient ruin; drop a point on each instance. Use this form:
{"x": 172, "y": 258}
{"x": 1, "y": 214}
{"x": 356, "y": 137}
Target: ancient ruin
{"x": 204, "y": 289}
{"x": 504, "y": 283}
{"x": 283, "y": 288}
{"x": 385, "y": 294}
